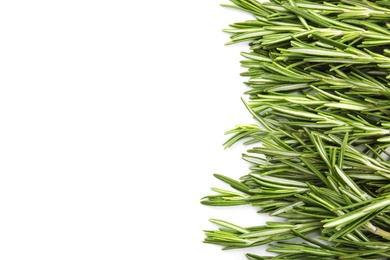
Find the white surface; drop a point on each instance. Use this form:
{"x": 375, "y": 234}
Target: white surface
{"x": 112, "y": 118}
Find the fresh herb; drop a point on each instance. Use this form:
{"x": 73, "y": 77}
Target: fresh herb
{"x": 319, "y": 87}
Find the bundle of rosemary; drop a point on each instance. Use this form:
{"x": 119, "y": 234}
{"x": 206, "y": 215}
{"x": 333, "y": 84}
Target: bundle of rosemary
{"x": 319, "y": 86}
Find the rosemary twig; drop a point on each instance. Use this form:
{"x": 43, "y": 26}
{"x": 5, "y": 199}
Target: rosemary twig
{"x": 318, "y": 75}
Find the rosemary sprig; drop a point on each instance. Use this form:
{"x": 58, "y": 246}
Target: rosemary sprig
{"x": 318, "y": 75}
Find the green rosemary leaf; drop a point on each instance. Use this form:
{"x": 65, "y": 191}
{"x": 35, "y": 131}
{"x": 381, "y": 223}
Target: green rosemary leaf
{"x": 235, "y": 184}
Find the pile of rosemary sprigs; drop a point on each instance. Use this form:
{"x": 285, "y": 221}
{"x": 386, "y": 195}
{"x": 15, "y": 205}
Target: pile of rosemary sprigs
{"x": 319, "y": 86}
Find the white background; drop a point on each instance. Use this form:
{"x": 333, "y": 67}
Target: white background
{"x": 112, "y": 116}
